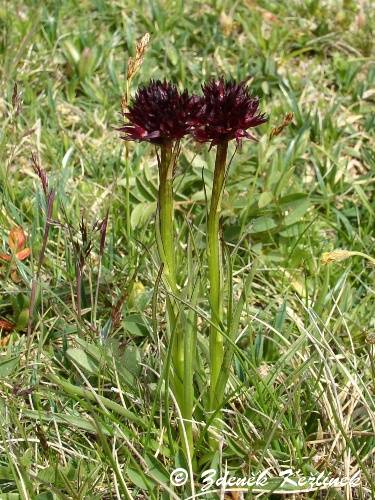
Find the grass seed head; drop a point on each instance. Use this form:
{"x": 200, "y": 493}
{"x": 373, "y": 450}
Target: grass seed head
{"x": 288, "y": 118}
{"x": 135, "y": 63}
{"x": 335, "y": 256}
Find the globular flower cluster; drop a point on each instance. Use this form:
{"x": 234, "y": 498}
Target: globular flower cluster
{"x": 227, "y": 110}
{"x": 160, "y": 113}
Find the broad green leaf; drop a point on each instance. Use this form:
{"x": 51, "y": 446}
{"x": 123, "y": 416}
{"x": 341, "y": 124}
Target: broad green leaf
{"x": 262, "y": 224}
{"x": 265, "y": 199}
{"x": 141, "y": 213}
{"x": 6, "y": 474}
{"x": 98, "y": 353}
{"x": 172, "y": 54}
{"x": 8, "y": 366}
{"x": 292, "y": 231}
{"x": 131, "y": 360}
{"x": 137, "y": 479}
{"x": 297, "y": 213}
{"x": 145, "y": 188}
{"x": 156, "y": 469}
{"x": 135, "y": 325}
{"x": 82, "y": 360}
{"x": 290, "y": 201}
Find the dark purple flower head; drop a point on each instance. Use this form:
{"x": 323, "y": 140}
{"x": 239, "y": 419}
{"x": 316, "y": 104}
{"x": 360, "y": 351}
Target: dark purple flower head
{"x": 226, "y": 111}
{"x": 159, "y": 113}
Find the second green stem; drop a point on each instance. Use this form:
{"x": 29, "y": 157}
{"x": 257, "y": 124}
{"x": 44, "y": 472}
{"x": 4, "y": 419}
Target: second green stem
{"x": 215, "y": 271}
{"x": 182, "y": 350}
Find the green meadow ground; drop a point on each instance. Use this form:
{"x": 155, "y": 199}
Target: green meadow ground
{"x": 84, "y": 409}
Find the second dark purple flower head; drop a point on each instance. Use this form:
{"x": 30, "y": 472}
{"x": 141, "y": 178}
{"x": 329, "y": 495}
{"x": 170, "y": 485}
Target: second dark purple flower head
{"x": 159, "y": 113}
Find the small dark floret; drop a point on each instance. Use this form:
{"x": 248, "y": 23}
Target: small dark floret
{"x": 227, "y": 110}
{"x": 159, "y": 113}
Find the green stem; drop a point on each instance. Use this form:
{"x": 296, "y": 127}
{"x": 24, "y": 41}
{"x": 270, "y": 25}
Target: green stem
{"x": 166, "y": 213}
{"x": 214, "y": 270}
{"x": 190, "y": 342}
{"x": 166, "y": 219}
{"x": 182, "y": 375}
{"x": 127, "y": 194}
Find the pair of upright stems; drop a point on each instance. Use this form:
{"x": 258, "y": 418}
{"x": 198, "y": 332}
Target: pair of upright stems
{"x": 182, "y": 352}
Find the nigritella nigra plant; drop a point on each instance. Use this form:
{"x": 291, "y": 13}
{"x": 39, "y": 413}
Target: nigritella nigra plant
{"x": 227, "y": 110}
{"x": 162, "y": 115}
